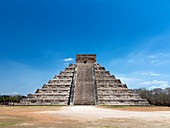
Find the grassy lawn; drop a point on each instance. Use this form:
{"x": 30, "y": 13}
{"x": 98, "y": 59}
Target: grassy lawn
{"x": 7, "y": 120}
{"x": 21, "y": 116}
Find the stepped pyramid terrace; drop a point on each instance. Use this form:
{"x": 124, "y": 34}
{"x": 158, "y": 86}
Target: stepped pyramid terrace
{"x": 84, "y": 83}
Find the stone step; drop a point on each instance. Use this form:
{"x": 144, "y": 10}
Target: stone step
{"x": 84, "y": 86}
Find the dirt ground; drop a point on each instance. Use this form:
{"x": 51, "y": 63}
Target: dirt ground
{"x": 84, "y": 117}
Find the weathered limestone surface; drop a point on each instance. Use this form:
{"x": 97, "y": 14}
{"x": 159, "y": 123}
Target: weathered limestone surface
{"x": 84, "y": 86}
{"x": 111, "y": 91}
{"x": 55, "y": 92}
{"x": 84, "y": 83}
{"x": 85, "y": 58}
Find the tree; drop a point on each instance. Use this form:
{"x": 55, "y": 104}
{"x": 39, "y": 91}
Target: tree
{"x": 157, "y": 96}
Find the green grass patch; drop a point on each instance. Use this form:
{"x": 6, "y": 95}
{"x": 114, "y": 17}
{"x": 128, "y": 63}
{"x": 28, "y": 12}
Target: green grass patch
{"x": 12, "y": 120}
{"x": 29, "y": 107}
{"x": 9, "y": 122}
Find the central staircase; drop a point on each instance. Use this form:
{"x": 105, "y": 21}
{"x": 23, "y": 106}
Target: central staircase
{"x": 84, "y": 86}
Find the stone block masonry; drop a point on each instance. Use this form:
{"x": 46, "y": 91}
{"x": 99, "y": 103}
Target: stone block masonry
{"x": 84, "y": 83}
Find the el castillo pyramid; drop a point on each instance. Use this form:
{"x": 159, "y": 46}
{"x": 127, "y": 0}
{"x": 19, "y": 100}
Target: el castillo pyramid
{"x": 84, "y": 83}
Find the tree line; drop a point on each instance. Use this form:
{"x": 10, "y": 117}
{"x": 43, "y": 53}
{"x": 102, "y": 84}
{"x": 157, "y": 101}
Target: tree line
{"x": 10, "y": 99}
{"x": 157, "y": 96}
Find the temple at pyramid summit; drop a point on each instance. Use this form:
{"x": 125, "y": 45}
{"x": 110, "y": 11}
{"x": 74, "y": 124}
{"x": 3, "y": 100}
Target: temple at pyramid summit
{"x": 84, "y": 83}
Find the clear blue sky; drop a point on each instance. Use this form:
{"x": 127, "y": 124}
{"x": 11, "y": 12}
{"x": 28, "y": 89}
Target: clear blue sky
{"x": 130, "y": 37}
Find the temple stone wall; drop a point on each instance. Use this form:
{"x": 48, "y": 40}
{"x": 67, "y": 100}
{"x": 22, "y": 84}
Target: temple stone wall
{"x": 84, "y": 83}
{"x": 85, "y": 58}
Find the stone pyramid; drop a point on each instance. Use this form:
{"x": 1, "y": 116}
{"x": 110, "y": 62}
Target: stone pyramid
{"x": 84, "y": 83}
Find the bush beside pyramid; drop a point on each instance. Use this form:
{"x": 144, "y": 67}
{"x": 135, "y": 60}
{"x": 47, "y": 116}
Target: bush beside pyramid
{"x": 84, "y": 83}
